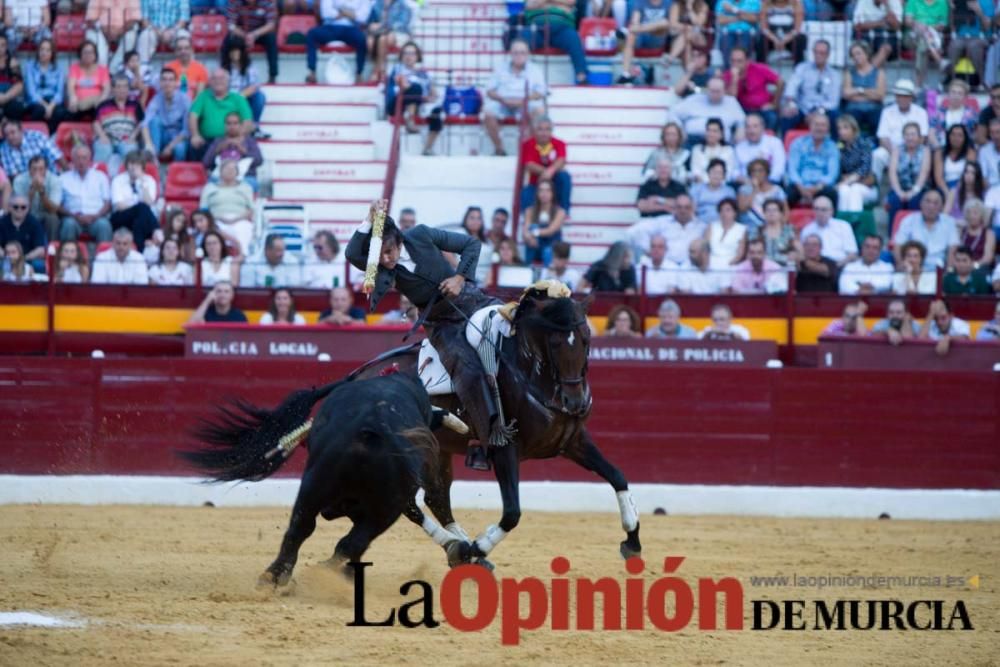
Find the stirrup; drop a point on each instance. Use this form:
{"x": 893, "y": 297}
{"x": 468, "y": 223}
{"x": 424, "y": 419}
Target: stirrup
{"x": 475, "y": 458}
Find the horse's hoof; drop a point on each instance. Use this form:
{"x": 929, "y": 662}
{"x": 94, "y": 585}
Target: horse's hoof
{"x": 459, "y": 553}
{"x": 482, "y": 562}
{"x": 630, "y": 550}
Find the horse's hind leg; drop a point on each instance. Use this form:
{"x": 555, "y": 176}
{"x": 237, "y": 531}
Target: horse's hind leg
{"x": 586, "y": 454}
{"x": 300, "y": 527}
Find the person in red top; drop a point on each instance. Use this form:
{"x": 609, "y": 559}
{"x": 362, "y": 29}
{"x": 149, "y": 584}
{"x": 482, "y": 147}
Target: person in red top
{"x": 748, "y": 82}
{"x": 544, "y": 159}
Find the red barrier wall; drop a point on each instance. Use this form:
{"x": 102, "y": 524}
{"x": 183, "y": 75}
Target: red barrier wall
{"x": 678, "y": 425}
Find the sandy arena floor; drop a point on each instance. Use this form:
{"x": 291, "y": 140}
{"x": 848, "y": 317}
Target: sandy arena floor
{"x": 156, "y": 586}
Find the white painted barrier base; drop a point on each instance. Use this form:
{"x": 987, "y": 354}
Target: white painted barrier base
{"x": 797, "y": 501}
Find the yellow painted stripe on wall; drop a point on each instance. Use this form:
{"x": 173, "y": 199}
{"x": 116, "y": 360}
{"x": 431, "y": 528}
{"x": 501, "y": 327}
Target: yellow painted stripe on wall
{"x": 24, "y": 318}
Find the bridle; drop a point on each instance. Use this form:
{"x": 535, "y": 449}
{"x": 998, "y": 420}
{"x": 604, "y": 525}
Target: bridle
{"x": 556, "y": 401}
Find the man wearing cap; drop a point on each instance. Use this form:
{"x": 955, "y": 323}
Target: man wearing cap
{"x": 890, "y": 124}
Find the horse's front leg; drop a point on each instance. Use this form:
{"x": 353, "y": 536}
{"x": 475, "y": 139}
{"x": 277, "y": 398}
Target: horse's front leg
{"x": 507, "y": 469}
{"x": 585, "y": 453}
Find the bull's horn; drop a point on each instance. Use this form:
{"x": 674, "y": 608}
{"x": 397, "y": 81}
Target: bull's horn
{"x": 455, "y": 424}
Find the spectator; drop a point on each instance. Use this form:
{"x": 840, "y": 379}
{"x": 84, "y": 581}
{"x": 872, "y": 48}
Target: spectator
{"x": 552, "y": 24}
{"x": 21, "y": 226}
{"x": 281, "y": 310}
{"x": 989, "y": 113}
{"x": 324, "y": 270}
{"x": 109, "y": 22}
{"x": 164, "y": 22}
{"x": 913, "y": 278}
{"x": 851, "y": 323}
{"x": 21, "y": 145}
{"x": 217, "y": 266}
{"x": 671, "y": 148}
{"x": 117, "y": 126}
{"x": 177, "y": 229}
{"x": 657, "y": 273}
{"x": 690, "y": 29}
{"x": 708, "y": 195}
{"x": 207, "y": 118}
{"x": 11, "y": 84}
{"x": 170, "y": 270}
{"x": 88, "y": 83}
{"x": 727, "y": 237}
{"x": 71, "y": 267}
{"x": 623, "y": 322}
{"x": 698, "y": 277}
{"x": 166, "y": 120}
{"x": 868, "y": 274}
{"x": 192, "y": 76}
{"x": 243, "y": 77}
{"x": 971, "y": 30}
{"x": 814, "y": 86}
{"x": 816, "y": 273}
{"x": 505, "y": 92}
{"x": 507, "y": 253}
{"x": 877, "y": 22}
{"x": 43, "y": 191}
{"x": 957, "y": 108}
{"x": 976, "y": 234}
{"x": 696, "y": 110}
{"x": 252, "y": 22}
{"x": 971, "y": 186}
{"x": 856, "y": 186}
{"x": 277, "y": 268}
{"x": 472, "y": 224}
{"x": 409, "y": 78}
{"x": 942, "y": 326}
{"x": 44, "y": 87}
{"x": 201, "y": 223}
{"x": 989, "y": 154}
{"x": 86, "y": 199}
{"x": 757, "y": 145}
{"x": 559, "y": 269}
{"x": 342, "y": 310}
{"x": 722, "y": 327}
{"x": 839, "y": 243}
{"x": 407, "y": 313}
{"x": 408, "y": 218}
{"x": 133, "y": 200}
{"x": 544, "y": 159}
{"x": 757, "y": 274}
{"x": 781, "y": 31}
{"x": 339, "y": 21}
{"x": 892, "y": 121}
{"x": 813, "y": 163}
{"x": 898, "y": 325}
{"x": 951, "y": 159}
{"x": 965, "y": 279}
{"x": 614, "y": 272}
{"x": 234, "y": 146}
{"x": 927, "y": 23}
{"x": 388, "y": 30}
{"x": 756, "y": 193}
{"x": 990, "y": 332}
{"x": 679, "y": 230}
{"x": 995, "y": 278}
{"x": 755, "y": 86}
{"x": 14, "y": 268}
{"x": 936, "y": 231}
{"x": 864, "y": 88}
{"x": 26, "y": 21}
{"x": 657, "y": 196}
{"x": 670, "y": 326}
{"x": 736, "y": 22}
{"x": 697, "y": 74}
{"x": 139, "y": 79}
{"x": 781, "y": 244}
{"x": 648, "y": 28}
{"x": 217, "y": 306}
{"x": 121, "y": 264}
{"x": 231, "y": 203}
{"x": 543, "y": 223}
{"x": 714, "y": 148}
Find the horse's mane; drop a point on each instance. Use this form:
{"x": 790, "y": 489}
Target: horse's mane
{"x": 559, "y": 314}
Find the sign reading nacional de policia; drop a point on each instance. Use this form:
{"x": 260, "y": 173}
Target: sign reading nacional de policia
{"x": 682, "y": 352}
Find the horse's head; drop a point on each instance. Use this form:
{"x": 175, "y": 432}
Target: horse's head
{"x": 554, "y": 343}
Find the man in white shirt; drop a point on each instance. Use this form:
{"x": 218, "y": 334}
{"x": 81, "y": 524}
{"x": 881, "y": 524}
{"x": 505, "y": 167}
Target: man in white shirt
{"x": 506, "y": 89}
{"x": 659, "y": 272}
{"x": 324, "y": 271}
{"x": 943, "y": 327}
{"x": 839, "y": 242}
{"x": 275, "y": 269}
{"x": 890, "y": 124}
{"x": 120, "y": 264}
{"x": 868, "y": 274}
{"x": 86, "y": 199}
{"x": 937, "y": 231}
{"x": 698, "y": 278}
{"x": 757, "y": 144}
{"x": 989, "y": 154}
{"x": 876, "y": 22}
{"x": 26, "y": 20}
{"x": 679, "y": 231}
{"x": 695, "y": 110}
{"x": 133, "y": 197}
{"x": 558, "y": 268}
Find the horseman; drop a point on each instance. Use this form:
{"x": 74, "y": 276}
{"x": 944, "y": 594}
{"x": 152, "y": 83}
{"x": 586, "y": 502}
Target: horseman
{"x": 413, "y": 263}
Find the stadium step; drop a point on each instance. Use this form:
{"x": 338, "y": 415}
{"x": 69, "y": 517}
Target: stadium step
{"x": 591, "y": 235}
{"x": 603, "y": 194}
{"x": 630, "y": 154}
{"x": 605, "y": 116}
{"x": 584, "y": 96}
{"x": 332, "y": 191}
{"x": 319, "y": 113}
{"x": 603, "y": 173}
{"x": 326, "y": 210}
{"x": 318, "y": 131}
{"x": 303, "y": 94}
{"x": 614, "y": 135}
{"x": 326, "y": 170}
{"x": 625, "y": 213}
{"x": 333, "y": 151}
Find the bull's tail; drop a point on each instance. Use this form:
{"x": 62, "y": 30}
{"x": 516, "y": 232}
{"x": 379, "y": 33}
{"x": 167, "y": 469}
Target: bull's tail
{"x": 245, "y": 442}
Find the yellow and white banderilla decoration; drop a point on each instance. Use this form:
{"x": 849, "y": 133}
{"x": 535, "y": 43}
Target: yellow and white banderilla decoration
{"x": 377, "y": 214}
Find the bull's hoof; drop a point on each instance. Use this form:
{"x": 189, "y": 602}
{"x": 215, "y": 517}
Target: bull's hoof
{"x": 459, "y": 553}
{"x": 341, "y": 565}
{"x": 269, "y": 580}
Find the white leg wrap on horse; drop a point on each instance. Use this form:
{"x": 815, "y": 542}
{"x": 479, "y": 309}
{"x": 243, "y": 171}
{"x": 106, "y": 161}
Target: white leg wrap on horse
{"x": 626, "y": 506}
{"x": 441, "y": 536}
{"x": 490, "y": 537}
{"x": 456, "y": 529}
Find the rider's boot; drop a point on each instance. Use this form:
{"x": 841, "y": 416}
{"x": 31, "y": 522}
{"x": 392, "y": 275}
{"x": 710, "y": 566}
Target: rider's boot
{"x": 484, "y": 413}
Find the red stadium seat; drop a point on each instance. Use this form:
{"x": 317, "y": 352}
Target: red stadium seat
{"x": 103, "y": 168}
{"x": 791, "y": 136}
{"x": 68, "y": 134}
{"x": 68, "y": 31}
{"x": 800, "y": 217}
{"x": 598, "y": 30}
{"x": 208, "y": 32}
{"x": 36, "y": 125}
{"x": 185, "y": 180}
{"x": 289, "y": 25}
{"x": 655, "y": 52}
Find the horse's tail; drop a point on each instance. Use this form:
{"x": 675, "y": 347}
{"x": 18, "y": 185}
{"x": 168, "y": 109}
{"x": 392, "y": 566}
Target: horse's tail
{"x": 246, "y": 442}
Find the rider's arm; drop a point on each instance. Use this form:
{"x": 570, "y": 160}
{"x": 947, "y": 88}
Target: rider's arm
{"x": 356, "y": 253}
{"x": 466, "y": 246}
